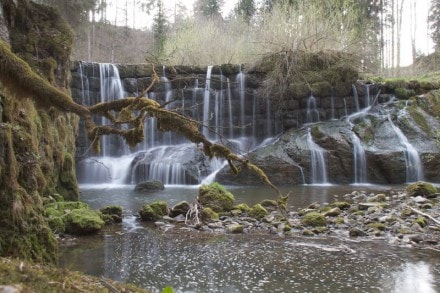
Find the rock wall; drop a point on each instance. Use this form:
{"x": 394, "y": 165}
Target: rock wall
{"x": 37, "y": 143}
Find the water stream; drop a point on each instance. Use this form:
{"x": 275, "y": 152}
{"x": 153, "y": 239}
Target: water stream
{"x": 194, "y": 261}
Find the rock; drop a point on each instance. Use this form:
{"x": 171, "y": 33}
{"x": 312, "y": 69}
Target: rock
{"x": 420, "y": 199}
{"x": 378, "y": 198}
{"x": 366, "y": 205}
{"x": 149, "y": 186}
{"x": 208, "y": 215}
{"x": 11, "y": 289}
{"x": 314, "y": 219}
{"x": 180, "y": 208}
{"x": 112, "y": 214}
{"x": 242, "y": 207}
{"x": 332, "y": 213}
{"x": 216, "y": 197}
{"x": 269, "y": 204}
{"x": 421, "y": 188}
{"x": 83, "y": 221}
{"x": 154, "y": 211}
{"x": 356, "y": 232}
{"x": 215, "y": 225}
{"x": 235, "y": 228}
{"x": 258, "y": 212}
{"x": 343, "y": 205}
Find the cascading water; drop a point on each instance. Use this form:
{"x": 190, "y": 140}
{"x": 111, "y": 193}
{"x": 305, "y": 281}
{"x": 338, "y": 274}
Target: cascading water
{"x": 414, "y": 167}
{"x": 166, "y": 156}
{"x": 355, "y": 98}
{"x": 312, "y": 114}
{"x": 317, "y": 160}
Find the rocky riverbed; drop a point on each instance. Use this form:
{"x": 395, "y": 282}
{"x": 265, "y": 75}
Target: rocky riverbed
{"x": 409, "y": 217}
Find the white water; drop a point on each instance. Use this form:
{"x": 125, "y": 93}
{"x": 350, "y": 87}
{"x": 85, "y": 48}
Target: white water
{"x": 206, "y": 101}
{"x": 312, "y": 114}
{"x": 241, "y": 81}
{"x": 414, "y": 168}
{"x": 317, "y": 160}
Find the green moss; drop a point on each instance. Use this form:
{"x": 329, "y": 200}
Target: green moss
{"x": 316, "y": 132}
{"x": 421, "y": 221}
{"x": 242, "y": 207}
{"x": 421, "y": 188}
{"x": 154, "y": 211}
{"x": 112, "y": 214}
{"x": 83, "y": 221}
{"x": 403, "y": 93}
{"x": 216, "y": 197}
{"x": 258, "y": 212}
{"x": 377, "y": 226}
{"x": 314, "y": 219}
{"x": 208, "y": 215}
{"x": 321, "y": 89}
{"x": 343, "y": 205}
{"x": 418, "y": 117}
{"x": 396, "y": 83}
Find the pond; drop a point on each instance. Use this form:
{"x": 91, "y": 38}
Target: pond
{"x": 193, "y": 261}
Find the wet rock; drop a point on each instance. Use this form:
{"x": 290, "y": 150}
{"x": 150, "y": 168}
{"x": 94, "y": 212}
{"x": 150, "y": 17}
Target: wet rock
{"x": 422, "y": 189}
{"x": 216, "y": 197}
{"x": 180, "y": 208}
{"x": 343, "y": 205}
{"x": 235, "y": 228}
{"x": 269, "y": 204}
{"x": 208, "y": 215}
{"x": 83, "y": 221}
{"x": 356, "y": 232}
{"x": 149, "y": 186}
{"x": 154, "y": 211}
{"x": 366, "y": 205}
{"x": 112, "y": 214}
{"x": 332, "y": 213}
{"x": 258, "y": 212}
{"x": 378, "y": 198}
{"x": 314, "y": 219}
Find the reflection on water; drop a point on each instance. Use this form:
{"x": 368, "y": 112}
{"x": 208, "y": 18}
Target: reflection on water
{"x": 192, "y": 261}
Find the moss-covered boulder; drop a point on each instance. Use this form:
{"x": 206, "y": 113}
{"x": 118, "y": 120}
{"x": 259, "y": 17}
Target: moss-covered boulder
{"x": 242, "y": 207}
{"x": 180, "y": 208}
{"x": 208, "y": 215}
{"x": 154, "y": 211}
{"x": 421, "y": 188}
{"x": 235, "y": 228}
{"x": 149, "y": 186}
{"x": 216, "y": 197}
{"x": 258, "y": 212}
{"x": 83, "y": 221}
{"x": 314, "y": 219}
{"x": 112, "y": 214}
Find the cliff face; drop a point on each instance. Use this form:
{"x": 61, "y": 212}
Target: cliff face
{"x": 37, "y": 142}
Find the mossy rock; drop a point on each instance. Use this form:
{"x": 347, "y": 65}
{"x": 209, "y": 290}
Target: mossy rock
{"x": 154, "y": 211}
{"x": 258, "y": 212}
{"x": 321, "y": 89}
{"x": 235, "y": 228}
{"x": 242, "y": 207}
{"x": 208, "y": 215}
{"x": 83, "y": 221}
{"x": 180, "y": 208}
{"x": 403, "y": 93}
{"x": 149, "y": 186}
{"x": 269, "y": 204}
{"x": 421, "y": 188}
{"x": 216, "y": 197}
{"x": 112, "y": 214}
{"x": 299, "y": 90}
{"x": 314, "y": 219}
{"x": 421, "y": 221}
{"x": 377, "y": 226}
{"x": 343, "y": 205}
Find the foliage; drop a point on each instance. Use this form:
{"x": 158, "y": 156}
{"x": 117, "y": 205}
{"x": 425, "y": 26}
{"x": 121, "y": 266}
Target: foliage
{"x": 28, "y": 277}
{"x": 160, "y": 28}
{"x": 434, "y": 20}
{"x": 210, "y": 9}
{"x": 245, "y": 9}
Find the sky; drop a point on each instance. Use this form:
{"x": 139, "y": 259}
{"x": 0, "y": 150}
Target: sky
{"x": 423, "y": 42}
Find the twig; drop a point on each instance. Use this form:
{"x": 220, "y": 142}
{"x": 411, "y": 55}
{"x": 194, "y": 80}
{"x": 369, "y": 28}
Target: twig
{"x": 424, "y": 214}
{"x": 109, "y": 286}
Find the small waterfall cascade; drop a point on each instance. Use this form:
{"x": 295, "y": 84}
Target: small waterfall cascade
{"x": 312, "y": 114}
{"x": 166, "y": 156}
{"x": 206, "y": 101}
{"x": 414, "y": 167}
{"x": 317, "y": 161}
{"x": 367, "y": 98}
{"x": 355, "y": 98}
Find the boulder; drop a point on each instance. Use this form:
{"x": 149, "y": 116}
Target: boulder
{"x": 235, "y": 228}
{"x": 258, "y": 212}
{"x": 83, "y": 221}
{"x": 154, "y": 211}
{"x": 216, "y": 197}
{"x": 180, "y": 208}
{"x": 149, "y": 186}
{"x": 112, "y": 214}
{"x": 314, "y": 219}
{"x": 422, "y": 189}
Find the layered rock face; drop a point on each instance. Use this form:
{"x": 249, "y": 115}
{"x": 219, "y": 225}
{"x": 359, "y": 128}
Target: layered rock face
{"x": 37, "y": 142}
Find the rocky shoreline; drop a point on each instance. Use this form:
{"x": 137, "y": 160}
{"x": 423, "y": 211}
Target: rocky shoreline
{"x": 407, "y": 218}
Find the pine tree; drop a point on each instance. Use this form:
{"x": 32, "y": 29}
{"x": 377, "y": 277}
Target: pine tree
{"x": 208, "y": 8}
{"x": 434, "y": 20}
{"x": 160, "y": 27}
{"x": 246, "y": 9}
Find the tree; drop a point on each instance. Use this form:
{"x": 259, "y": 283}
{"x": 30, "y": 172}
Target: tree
{"x": 434, "y": 20}
{"x": 208, "y": 8}
{"x": 160, "y": 27}
{"x": 245, "y": 9}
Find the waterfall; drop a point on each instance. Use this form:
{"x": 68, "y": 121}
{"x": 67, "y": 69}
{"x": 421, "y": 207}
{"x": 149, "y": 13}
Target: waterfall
{"x": 312, "y": 114}
{"x": 414, "y": 168}
{"x": 359, "y": 160}
{"x": 206, "y": 108}
{"x": 317, "y": 161}
{"x": 241, "y": 82}
{"x": 166, "y": 156}
{"x": 355, "y": 98}
{"x": 367, "y": 100}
